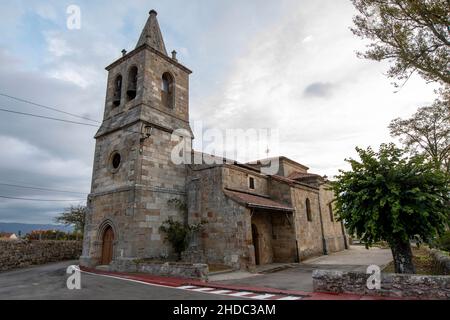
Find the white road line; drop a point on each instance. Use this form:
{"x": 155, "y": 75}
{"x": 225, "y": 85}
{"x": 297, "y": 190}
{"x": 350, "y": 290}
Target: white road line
{"x": 240, "y": 294}
{"x": 186, "y": 287}
{"x": 221, "y": 292}
{"x": 290, "y": 298}
{"x": 263, "y": 297}
{"x": 203, "y": 289}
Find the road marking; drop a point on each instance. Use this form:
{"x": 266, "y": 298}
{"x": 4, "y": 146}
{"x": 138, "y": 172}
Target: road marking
{"x": 207, "y": 290}
{"x": 221, "y": 292}
{"x": 240, "y": 294}
{"x": 263, "y": 297}
{"x": 203, "y": 289}
{"x": 290, "y": 298}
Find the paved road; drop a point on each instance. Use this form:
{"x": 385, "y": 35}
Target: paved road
{"x": 299, "y": 277}
{"x": 49, "y": 282}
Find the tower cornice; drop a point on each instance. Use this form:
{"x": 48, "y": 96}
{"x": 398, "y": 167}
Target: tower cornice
{"x": 148, "y": 47}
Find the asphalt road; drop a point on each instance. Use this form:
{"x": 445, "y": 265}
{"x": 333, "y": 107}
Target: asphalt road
{"x": 48, "y": 282}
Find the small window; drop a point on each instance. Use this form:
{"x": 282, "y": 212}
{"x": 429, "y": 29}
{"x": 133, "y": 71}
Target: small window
{"x": 308, "y": 210}
{"x": 117, "y": 90}
{"x": 167, "y": 90}
{"x": 251, "y": 183}
{"x": 115, "y": 161}
{"x": 330, "y": 209}
{"x": 132, "y": 83}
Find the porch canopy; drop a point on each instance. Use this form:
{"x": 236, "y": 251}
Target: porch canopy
{"x": 257, "y": 202}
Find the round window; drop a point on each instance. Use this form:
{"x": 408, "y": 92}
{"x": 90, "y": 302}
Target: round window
{"x": 116, "y": 160}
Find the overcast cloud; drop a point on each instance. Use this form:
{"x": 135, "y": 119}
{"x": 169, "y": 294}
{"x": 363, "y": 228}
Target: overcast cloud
{"x": 288, "y": 65}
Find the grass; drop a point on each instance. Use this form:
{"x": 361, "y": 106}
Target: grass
{"x": 422, "y": 261}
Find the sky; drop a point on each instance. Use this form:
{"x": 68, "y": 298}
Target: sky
{"x": 286, "y": 65}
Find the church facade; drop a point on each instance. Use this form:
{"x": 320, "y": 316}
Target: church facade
{"x": 252, "y": 218}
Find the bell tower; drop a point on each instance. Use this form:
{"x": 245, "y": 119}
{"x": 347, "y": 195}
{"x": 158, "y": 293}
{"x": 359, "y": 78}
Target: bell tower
{"x": 134, "y": 179}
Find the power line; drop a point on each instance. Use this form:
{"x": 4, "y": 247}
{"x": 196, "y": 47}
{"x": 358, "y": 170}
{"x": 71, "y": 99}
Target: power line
{"x": 47, "y": 107}
{"x": 42, "y": 189}
{"x": 61, "y": 120}
{"x": 42, "y": 200}
{"x": 49, "y": 118}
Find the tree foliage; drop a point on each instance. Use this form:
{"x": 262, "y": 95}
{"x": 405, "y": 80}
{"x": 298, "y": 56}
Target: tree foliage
{"x": 427, "y": 132}
{"x": 387, "y": 196}
{"x": 74, "y": 216}
{"x": 178, "y": 234}
{"x": 413, "y": 34}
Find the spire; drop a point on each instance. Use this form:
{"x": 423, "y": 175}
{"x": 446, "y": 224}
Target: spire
{"x": 151, "y": 34}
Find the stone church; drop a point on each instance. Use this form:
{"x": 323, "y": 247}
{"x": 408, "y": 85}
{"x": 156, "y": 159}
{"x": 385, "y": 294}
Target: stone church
{"x": 251, "y": 218}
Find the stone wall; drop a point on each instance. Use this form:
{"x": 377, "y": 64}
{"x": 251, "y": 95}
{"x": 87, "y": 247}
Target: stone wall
{"x": 20, "y": 254}
{"x": 226, "y": 237}
{"x": 171, "y": 269}
{"x": 441, "y": 261}
{"x": 392, "y": 285}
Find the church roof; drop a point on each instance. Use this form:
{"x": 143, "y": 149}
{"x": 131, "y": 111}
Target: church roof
{"x": 255, "y": 201}
{"x": 151, "y": 34}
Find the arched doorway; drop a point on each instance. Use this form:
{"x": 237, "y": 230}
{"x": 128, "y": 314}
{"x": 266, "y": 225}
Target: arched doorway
{"x": 256, "y": 244}
{"x": 107, "y": 247}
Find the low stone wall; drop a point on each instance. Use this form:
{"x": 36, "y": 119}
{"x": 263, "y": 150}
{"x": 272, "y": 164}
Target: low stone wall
{"x": 441, "y": 261}
{"x": 171, "y": 269}
{"x": 19, "y": 254}
{"x": 392, "y": 285}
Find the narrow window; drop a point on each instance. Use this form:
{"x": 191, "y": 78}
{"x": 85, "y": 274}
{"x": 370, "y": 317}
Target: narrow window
{"x": 167, "y": 90}
{"x": 132, "y": 83}
{"x": 117, "y": 90}
{"x": 330, "y": 208}
{"x": 308, "y": 210}
{"x": 251, "y": 183}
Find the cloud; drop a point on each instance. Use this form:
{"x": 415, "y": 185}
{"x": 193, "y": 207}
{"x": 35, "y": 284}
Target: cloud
{"x": 319, "y": 90}
{"x": 254, "y": 67}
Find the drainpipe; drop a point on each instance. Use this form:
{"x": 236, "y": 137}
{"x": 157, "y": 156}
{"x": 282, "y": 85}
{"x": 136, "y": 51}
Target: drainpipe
{"x": 324, "y": 242}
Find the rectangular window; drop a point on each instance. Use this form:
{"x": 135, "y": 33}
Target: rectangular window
{"x": 251, "y": 183}
{"x": 330, "y": 208}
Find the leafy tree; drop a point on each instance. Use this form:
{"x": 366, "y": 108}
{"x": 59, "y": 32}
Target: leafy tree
{"x": 427, "y": 132}
{"x": 389, "y": 197}
{"x": 412, "y": 34}
{"x": 74, "y": 216}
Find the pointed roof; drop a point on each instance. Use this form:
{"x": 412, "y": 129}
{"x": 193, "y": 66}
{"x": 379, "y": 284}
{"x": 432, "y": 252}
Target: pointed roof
{"x": 151, "y": 34}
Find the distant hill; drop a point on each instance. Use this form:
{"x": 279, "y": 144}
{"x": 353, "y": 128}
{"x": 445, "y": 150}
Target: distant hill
{"x": 25, "y": 228}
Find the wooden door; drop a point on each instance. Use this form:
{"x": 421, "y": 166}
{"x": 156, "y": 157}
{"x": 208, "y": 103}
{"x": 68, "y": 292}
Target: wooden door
{"x": 256, "y": 243}
{"x": 107, "y": 249}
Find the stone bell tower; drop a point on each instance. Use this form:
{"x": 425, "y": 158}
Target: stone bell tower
{"x": 147, "y": 99}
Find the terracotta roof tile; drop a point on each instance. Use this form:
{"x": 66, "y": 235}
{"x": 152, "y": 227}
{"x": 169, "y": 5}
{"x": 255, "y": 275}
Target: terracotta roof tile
{"x": 254, "y": 201}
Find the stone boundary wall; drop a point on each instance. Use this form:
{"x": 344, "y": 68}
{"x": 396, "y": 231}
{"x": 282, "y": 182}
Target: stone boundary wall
{"x": 20, "y": 254}
{"x": 171, "y": 269}
{"x": 392, "y": 285}
{"x": 441, "y": 261}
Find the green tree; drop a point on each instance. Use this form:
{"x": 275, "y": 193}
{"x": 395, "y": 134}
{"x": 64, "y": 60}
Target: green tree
{"x": 387, "y": 196}
{"x": 74, "y": 216}
{"x": 427, "y": 132}
{"x": 412, "y": 34}
{"x": 178, "y": 234}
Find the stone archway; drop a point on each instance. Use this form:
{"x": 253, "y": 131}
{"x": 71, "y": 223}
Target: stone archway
{"x": 107, "y": 246}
